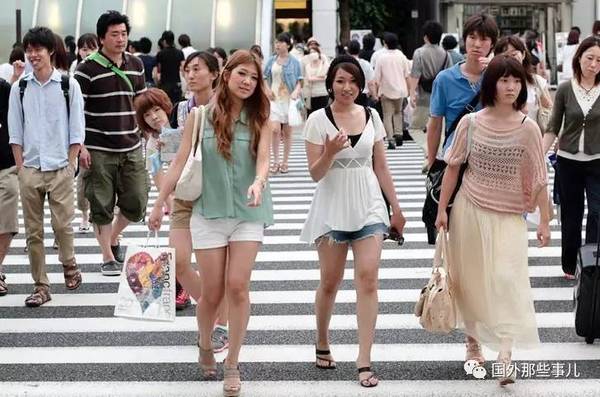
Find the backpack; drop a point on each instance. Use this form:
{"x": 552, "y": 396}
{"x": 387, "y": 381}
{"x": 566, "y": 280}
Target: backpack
{"x": 427, "y": 84}
{"x": 64, "y": 86}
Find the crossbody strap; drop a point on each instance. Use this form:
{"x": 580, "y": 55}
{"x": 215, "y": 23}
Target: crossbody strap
{"x": 198, "y": 129}
{"x": 103, "y": 61}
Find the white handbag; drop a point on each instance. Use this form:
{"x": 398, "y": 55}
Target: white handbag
{"x": 189, "y": 186}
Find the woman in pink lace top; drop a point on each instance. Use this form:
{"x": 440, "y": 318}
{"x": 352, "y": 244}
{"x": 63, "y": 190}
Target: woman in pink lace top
{"x": 505, "y": 177}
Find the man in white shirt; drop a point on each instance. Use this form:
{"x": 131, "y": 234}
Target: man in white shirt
{"x": 186, "y": 45}
{"x": 392, "y": 72}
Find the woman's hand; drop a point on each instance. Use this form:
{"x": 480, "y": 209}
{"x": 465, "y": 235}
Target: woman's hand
{"x": 339, "y": 142}
{"x": 155, "y": 220}
{"x": 543, "y": 234}
{"x": 441, "y": 222}
{"x": 255, "y": 194}
{"x": 397, "y": 221}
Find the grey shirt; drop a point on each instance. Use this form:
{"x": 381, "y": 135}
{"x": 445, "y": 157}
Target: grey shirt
{"x": 567, "y": 108}
{"x": 428, "y": 61}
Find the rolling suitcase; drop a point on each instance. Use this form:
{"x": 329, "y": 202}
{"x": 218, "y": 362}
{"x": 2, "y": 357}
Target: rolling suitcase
{"x": 587, "y": 293}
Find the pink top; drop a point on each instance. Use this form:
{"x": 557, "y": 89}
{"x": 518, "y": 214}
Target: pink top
{"x": 391, "y": 71}
{"x": 506, "y": 167}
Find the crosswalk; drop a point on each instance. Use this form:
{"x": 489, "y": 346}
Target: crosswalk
{"x": 74, "y": 346}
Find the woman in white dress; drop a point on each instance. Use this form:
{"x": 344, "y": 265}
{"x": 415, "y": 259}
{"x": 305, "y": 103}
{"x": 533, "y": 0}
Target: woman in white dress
{"x": 346, "y": 156}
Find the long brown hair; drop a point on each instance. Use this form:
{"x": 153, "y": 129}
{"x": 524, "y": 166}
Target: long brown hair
{"x": 256, "y": 106}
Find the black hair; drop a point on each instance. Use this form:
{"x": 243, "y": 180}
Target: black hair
{"x": 433, "y": 30}
{"x": 577, "y": 29}
{"x": 390, "y": 40}
{"x": 59, "y": 58}
{"x": 40, "y": 36}
{"x": 169, "y": 37}
{"x": 482, "y": 24}
{"x": 585, "y": 45}
{"x": 348, "y": 64}
{"x": 573, "y": 37}
{"x": 257, "y": 50}
{"x": 17, "y": 54}
{"x": 503, "y": 66}
{"x": 184, "y": 40}
{"x": 517, "y": 44}
{"x": 108, "y": 19}
{"x": 596, "y": 27}
{"x": 209, "y": 60}
{"x": 232, "y": 51}
{"x": 353, "y": 47}
{"x": 221, "y": 52}
{"x": 161, "y": 43}
{"x": 285, "y": 38}
{"x": 86, "y": 40}
{"x": 368, "y": 42}
{"x": 70, "y": 43}
{"x": 449, "y": 42}
{"x": 145, "y": 45}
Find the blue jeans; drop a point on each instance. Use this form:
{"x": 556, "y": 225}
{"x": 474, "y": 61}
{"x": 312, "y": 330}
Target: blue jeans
{"x": 343, "y": 237}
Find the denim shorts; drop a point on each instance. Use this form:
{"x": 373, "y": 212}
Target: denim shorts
{"x": 343, "y": 237}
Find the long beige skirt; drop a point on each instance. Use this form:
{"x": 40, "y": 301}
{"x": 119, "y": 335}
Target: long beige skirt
{"x": 489, "y": 275}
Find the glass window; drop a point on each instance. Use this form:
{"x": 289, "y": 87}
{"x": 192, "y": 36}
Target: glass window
{"x": 147, "y": 18}
{"x": 58, "y": 15}
{"x": 236, "y": 24}
{"x": 91, "y": 11}
{"x": 193, "y": 17}
{"x": 8, "y": 24}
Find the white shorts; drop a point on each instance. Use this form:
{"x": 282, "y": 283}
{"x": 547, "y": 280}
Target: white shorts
{"x": 216, "y": 233}
{"x": 279, "y": 111}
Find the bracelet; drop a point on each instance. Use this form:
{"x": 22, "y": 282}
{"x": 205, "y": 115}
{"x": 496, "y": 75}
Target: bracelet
{"x": 263, "y": 181}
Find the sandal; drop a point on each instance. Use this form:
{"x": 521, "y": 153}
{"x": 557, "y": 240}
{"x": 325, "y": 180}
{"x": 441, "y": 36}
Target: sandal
{"x": 3, "y": 286}
{"x": 367, "y": 382}
{"x": 209, "y": 371}
{"x": 330, "y": 363}
{"x": 232, "y": 385}
{"x": 84, "y": 229}
{"x": 509, "y": 372}
{"x": 283, "y": 168}
{"x": 40, "y": 296}
{"x": 274, "y": 169}
{"x": 474, "y": 352}
{"x": 72, "y": 276}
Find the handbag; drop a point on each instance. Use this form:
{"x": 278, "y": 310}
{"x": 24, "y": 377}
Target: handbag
{"x": 435, "y": 307}
{"x": 543, "y": 114}
{"x": 146, "y": 286}
{"x": 189, "y": 186}
{"x": 435, "y": 176}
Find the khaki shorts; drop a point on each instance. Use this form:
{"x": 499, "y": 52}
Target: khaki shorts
{"x": 117, "y": 179}
{"x": 181, "y": 214}
{"x": 9, "y": 201}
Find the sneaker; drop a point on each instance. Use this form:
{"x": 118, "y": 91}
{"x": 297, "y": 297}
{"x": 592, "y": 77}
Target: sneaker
{"x": 111, "y": 268}
{"x": 391, "y": 144}
{"x": 3, "y": 285}
{"x": 399, "y": 139}
{"x": 220, "y": 339}
{"x": 118, "y": 252}
{"x": 182, "y": 298}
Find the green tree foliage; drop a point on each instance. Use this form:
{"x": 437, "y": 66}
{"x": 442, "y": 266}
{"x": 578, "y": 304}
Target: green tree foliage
{"x": 369, "y": 14}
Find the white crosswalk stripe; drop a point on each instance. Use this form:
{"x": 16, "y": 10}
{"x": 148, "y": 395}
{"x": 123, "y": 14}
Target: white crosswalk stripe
{"x": 74, "y": 343}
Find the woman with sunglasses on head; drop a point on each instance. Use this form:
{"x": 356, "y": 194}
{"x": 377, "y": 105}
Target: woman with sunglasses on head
{"x": 346, "y": 157}
{"x": 488, "y": 241}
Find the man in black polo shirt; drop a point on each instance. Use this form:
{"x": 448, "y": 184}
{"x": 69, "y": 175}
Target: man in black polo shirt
{"x": 109, "y": 80}
{"x": 9, "y": 185}
{"x": 169, "y": 61}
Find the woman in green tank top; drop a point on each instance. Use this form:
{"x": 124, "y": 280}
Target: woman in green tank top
{"x": 229, "y": 218}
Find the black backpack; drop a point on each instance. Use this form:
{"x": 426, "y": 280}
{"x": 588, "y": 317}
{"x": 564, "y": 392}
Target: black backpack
{"x": 64, "y": 86}
{"x": 427, "y": 84}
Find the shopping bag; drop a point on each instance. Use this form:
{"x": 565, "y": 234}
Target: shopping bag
{"x": 147, "y": 284}
{"x": 294, "y": 115}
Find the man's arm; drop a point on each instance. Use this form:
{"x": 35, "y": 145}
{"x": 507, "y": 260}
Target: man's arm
{"x": 15, "y": 125}
{"x": 434, "y": 134}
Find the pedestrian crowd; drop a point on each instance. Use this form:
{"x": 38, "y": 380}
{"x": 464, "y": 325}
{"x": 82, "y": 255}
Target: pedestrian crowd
{"x": 99, "y": 110}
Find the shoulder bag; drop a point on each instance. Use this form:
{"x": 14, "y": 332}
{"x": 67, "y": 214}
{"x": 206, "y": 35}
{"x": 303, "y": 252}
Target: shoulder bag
{"x": 189, "y": 186}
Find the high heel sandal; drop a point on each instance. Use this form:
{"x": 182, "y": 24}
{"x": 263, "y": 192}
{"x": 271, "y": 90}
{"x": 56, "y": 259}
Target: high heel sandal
{"x": 209, "y": 371}
{"x": 274, "y": 169}
{"x": 232, "y": 385}
{"x": 509, "y": 374}
{"x": 474, "y": 352}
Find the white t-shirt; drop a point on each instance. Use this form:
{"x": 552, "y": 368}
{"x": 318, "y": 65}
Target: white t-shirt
{"x": 348, "y": 197}
{"x": 6, "y": 71}
{"x": 187, "y": 51}
{"x": 278, "y": 85}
